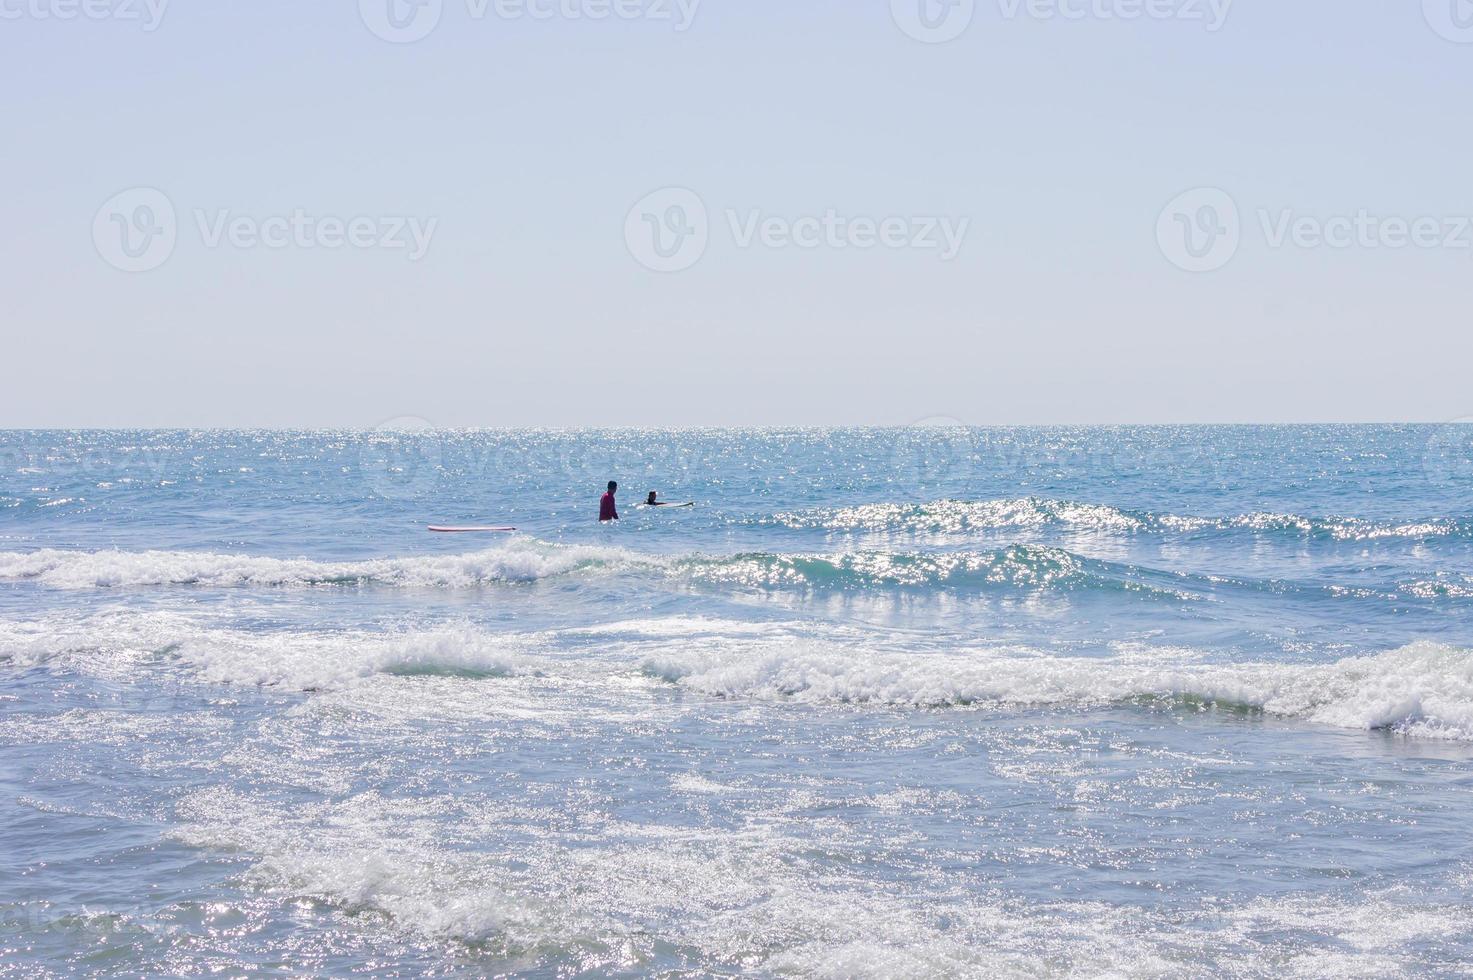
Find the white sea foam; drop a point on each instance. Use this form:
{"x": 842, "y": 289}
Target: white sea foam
{"x": 615, "y": 892}
{"x": 372, "y": 854}
{"x": 521, "y": 561}
{"x": 951, "y": 517}
{"x": 526, "y": 560}
{"x": 128, "y": 646}
{"x": 1424, "y": 689}
{"x": 956, "y": 516}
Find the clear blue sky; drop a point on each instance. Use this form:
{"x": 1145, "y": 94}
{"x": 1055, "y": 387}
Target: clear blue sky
{"x": 1059, "y": 141}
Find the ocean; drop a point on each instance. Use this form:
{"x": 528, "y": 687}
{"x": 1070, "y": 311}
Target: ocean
{"x": 939, "y": 701}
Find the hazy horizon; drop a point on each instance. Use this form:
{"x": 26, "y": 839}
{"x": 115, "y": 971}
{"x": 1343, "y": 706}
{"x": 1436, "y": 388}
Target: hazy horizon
{"x": 391, "y": 427}
{"x": 651, "y": 213}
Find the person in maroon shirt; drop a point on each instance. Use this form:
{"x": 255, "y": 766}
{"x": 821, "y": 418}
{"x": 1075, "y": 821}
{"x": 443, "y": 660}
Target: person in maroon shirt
{"x": 607, "y": 509}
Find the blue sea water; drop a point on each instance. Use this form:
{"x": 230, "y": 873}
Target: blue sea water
{"x": 905, "y": 702}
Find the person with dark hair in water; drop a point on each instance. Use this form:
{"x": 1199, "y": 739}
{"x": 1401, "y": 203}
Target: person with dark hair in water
{"x": 653, "y": 501}
{"x": 608, "y": 509}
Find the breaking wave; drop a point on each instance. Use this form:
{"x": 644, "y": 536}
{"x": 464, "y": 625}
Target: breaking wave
{"x": 523, "y": 561}
{"x": 132, "y": 646}
{"x": 1019, "y": 566}
{"x": 436, "y": 870}
{"x": 1027, "y": 567}
{"x": 1424, "y": 689}
{"x": 1038, "y": 513}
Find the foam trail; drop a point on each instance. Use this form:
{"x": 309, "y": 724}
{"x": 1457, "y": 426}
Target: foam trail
{"x": 527, "y": 561}
{"x": 1424, "y": 689}
{"x": 713, "y": 889}
{"x": 129, "y": 647}
{"x": 1029, "y": 567}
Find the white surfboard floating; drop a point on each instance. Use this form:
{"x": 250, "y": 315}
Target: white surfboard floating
{"x": 472, "y": 530}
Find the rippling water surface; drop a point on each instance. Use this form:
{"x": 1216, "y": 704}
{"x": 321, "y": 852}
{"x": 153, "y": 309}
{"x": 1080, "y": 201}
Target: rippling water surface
{"x": 884, "y": 702}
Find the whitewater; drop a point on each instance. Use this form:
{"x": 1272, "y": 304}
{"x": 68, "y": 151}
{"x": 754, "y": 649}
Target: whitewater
{"x": 886, "y": 702}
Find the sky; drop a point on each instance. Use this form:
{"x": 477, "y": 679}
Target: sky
{"x": 351, "y": 213}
